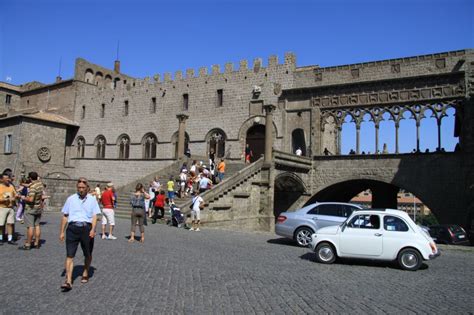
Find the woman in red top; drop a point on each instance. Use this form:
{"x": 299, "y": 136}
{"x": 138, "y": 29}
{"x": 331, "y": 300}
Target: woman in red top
{"x": 159, "y": 206}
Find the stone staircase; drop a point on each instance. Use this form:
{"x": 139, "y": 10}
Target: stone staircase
{"x": 123, "y": 193}
{"x": 232, "y": 202}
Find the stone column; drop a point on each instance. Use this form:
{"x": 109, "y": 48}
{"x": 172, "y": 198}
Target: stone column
{"x": 397, "y": 125}
{"x": 439, "y": 134}
{"x": 268, "y": 132}
{"x": 417, "y": 136}
{"x": 376, "y": 138}
{"x": 357, "y": 138}
{"x": 181, "y": 133}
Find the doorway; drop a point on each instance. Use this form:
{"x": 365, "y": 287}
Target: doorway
{"x": 256, "y": 141}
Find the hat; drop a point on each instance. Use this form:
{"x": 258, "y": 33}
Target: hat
{"x": 110, "y": 184}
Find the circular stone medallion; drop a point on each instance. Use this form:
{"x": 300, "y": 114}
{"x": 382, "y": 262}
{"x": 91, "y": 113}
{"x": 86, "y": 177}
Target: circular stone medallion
{"x": 44, "y": 154}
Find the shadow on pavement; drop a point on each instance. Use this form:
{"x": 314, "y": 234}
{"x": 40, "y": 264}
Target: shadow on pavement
{"x": 360, "y": 262}
{"x": 283, "y": 241}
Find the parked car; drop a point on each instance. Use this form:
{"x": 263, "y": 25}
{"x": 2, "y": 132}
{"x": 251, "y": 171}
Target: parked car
{"x": 384, "y": 234}
{"x": 449, "y": 234}
{"x": 301, "y": 224}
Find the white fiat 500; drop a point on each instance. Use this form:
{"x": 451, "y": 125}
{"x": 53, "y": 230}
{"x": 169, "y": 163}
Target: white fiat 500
{"x": 384, "y": 234}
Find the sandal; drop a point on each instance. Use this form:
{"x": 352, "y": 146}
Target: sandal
{"x": 84, "y": 279}
{"x": 24, "y": 247}
{"x": 66, "y": 287}
{"x": 131, "y": 240}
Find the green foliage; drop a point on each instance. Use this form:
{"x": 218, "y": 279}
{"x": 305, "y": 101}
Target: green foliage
{"x": 427, "y": 220}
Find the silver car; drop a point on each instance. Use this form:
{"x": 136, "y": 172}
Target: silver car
{"x": 301, "y": 224}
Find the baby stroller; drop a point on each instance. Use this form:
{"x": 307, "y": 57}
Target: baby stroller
{"x": 177, "y": 218}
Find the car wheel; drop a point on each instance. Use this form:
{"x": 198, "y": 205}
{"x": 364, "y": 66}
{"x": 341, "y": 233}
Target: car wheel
{"x": 325, "y": 253}
{"x": 409, "y": 259}
{"x": 303, "y": 236}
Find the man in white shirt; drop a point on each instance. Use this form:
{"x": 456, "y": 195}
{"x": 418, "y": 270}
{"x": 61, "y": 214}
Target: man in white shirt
{"x": 198, "y": 205}
{"x": 298, "y": 152}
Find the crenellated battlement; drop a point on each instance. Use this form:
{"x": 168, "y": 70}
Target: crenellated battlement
{"x": 229, "y": 67}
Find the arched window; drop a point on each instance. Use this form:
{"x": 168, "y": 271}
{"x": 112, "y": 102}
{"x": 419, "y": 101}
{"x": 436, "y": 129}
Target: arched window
{"x": 81, "y": 142}
{"x": 108, "y": 81}
{"x": 216, "y": 142}
{"x": 149, "y": 146}
{"x": 89, "y": 76}
{"x": 116, "y": 81}
{"x": 124, "y": 147}
{"x": 298, "y": 141}
{"x": 100, "y": 144}
{"x": 98, "y": 78}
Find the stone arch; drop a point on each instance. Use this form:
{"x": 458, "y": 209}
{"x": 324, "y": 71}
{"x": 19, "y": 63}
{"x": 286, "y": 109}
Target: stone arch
{"x": 149, "y": 144}
{"x": 99, "y": 77}
{"x": 81, "y": 143}
{"x": 100, "y": 144}
{"x": 89, "y": 76}
{"x": 345, "y": 188}
{"x": 249, "y": 123}
{"x": 123, "y": 145}
{"x": 288, "y": 189}
{"x": 215, "y": 140}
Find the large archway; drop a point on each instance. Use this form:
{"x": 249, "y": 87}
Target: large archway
{"x": 287, "y": 190}
{"x": 256, "y": 141}
{"x": 381, "y": 195}
{"x": 384, "y": 195}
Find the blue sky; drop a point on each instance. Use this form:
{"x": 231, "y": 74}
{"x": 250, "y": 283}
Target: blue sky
{"x": 165, "y": 36}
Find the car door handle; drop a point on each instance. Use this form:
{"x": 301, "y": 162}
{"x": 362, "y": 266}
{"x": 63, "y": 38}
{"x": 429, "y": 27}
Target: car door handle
{"x": 378, "y": 234}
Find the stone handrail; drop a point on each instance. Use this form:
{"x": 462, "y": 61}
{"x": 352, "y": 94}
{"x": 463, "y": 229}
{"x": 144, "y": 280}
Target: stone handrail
{"x": 293, "y": 160}
{"x": 226, "y": 184}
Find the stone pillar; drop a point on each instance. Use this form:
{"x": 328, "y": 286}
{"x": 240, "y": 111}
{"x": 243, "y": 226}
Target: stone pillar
{"x": 397, "y": 125}
{"x": 417, "y": 136}
{"x": 339, "y": 140}
{"x": 376, "y": 138}
{"x": 268, "y": 133}
{"x": 439, "y": 134}
{"x": 181, "y": 133}
{"x": 357, "y": 138}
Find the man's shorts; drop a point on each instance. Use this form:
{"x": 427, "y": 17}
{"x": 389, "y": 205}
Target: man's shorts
{"x": 171, "y": 194}
{"x": 78, "y": 233}
{"x": 32, "y": 220}
{"x": 7, "y": 215}
{"x": 108, "y": 216}
{"x": 196, "y": 215}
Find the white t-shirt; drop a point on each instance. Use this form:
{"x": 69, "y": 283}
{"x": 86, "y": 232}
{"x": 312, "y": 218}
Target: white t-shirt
{"x": 204, "y": 183}
{"x": 197, "y": 202}
{"x": 299, "y": 152}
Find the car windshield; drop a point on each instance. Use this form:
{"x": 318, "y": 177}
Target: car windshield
{"x": 455, "y": 229}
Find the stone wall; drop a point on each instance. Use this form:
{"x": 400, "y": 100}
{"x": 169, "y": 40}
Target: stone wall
{"x": 432, "y": 64}
{"x": 204, "y": 114}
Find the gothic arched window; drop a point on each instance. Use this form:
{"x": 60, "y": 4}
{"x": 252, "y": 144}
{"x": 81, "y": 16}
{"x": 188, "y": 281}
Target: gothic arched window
{"x": 149, "y": 146}
{"x": 124, "y": 147}
{"x": 81, "y": 142}
{"x": 100, "y": 144}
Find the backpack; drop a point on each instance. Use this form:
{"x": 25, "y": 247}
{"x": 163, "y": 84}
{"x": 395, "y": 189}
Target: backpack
{"x": 137, "y": 201}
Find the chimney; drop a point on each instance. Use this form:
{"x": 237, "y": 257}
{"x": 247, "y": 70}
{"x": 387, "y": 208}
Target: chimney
{"x": 58, "y": 79}
{"x": 117, "y": 66}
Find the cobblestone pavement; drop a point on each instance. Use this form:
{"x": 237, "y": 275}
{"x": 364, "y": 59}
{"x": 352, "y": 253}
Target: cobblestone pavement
{"x": 217, "y": 271}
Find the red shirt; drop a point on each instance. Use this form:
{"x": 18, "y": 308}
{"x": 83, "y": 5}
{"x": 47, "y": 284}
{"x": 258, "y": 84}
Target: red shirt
{"x": 107, "y": 199}
{"x": 160, "y": 201}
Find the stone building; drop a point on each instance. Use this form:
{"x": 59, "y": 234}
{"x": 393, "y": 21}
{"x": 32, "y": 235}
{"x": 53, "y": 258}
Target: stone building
{"x": 107, "y": 125}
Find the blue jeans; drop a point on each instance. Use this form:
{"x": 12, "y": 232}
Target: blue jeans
{"x": 221, "y": 176}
